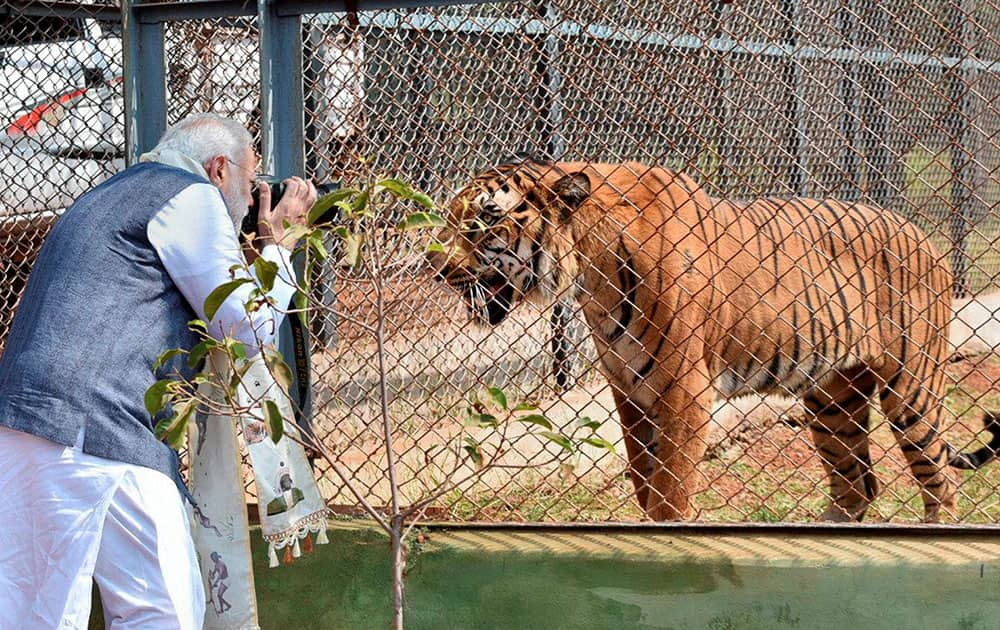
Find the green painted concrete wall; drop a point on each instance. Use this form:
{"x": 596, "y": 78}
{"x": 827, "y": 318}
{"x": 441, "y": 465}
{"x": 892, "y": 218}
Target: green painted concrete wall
{"x": 494, "y": 578}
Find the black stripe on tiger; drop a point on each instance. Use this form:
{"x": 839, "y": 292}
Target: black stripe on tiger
{"x": 982, "y": 456}
{"x": 643, "y": 372}
{"x": 628, "y": 284}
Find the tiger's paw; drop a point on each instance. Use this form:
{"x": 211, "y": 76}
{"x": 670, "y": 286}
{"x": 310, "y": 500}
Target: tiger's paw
{"x": 846, "y": 514}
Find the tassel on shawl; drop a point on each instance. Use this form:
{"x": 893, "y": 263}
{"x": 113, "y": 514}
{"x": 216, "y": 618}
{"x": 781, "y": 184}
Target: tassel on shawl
{"x": 321, "y": 538}
{"x": 272, "y": 556}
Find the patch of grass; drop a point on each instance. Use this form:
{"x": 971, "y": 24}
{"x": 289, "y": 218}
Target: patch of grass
{"x": 533, "y": 497}
{"x": 775, "y": 477}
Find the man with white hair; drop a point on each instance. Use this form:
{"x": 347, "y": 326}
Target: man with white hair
{"x": 90, "y": 493}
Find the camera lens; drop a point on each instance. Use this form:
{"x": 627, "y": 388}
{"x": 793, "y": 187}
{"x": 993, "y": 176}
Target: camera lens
{"x": 252, "y": 218}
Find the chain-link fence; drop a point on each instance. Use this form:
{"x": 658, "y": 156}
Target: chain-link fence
{"x": 889, "y": 104}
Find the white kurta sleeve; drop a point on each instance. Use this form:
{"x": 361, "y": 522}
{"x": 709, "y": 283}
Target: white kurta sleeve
{"x": 197, "y": 244}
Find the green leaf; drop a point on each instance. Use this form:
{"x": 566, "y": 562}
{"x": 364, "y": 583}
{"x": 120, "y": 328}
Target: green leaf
{"x": 473, "y": 450}
{"x": 401, "y": 190}
{"x": 327, "y": 201}
{"x": 360, "y": 203}
{"x": 352, "y": 249}
{"x": 161, "y": 427}
{"x": 436, "y": 248}
{"x": 237, "y": 350}
{"x": 345, "y": 209}
{"x": 279, "y": 369}
{"x": 600, "y": 443}
{"x": 275, "y": 423}
{"x": 474, "y": 225}
{"x": 266, "y": 272}
{"x": 418, "y": 220}
{"x": 525, "y": 406}
{"x": 498, "y": 397}
{"x": 219, "y": 295}
{"x": 559, "y": 439}
{"x": 197, "y": 324}
{"x": 396, "y": 187}
{"x": 482, "y": 420}
{"x": 237, "y": 378}
{"x": 423, "y": 199}
{"x": 156, "y": 397}
{"x": 301, "y": 301}
{"x": 199, "y": 351}
{"x": 175, "y": 436}
{"x": 199, "y": 378}
{"x": 315, "y": 242}
{"x": 173, "y": 429}
{"x": 587, "y": 423}
{"x": 296, "y": 233}
{"x": 535, "y": 418}
{"x": 166, "y": 356}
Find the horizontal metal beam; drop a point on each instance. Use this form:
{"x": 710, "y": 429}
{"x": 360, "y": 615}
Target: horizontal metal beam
{"x": 340, "y": 6}
{"x": 157, "y": 12}
{"x": 154, "y": 12}
{"x": 729, "y": 529}
{"x": 103, "y": 12}
{"x": 568, "y": 30}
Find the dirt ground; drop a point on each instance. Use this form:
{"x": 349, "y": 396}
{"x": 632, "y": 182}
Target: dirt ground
{"x": 761, "y": 467}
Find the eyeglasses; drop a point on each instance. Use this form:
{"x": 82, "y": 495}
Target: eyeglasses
{"x": 254, "y": 175}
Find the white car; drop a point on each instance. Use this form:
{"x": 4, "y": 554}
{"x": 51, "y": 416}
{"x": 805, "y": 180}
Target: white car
{"x": 61, "y": 113}
{"x": 62, "y": 128}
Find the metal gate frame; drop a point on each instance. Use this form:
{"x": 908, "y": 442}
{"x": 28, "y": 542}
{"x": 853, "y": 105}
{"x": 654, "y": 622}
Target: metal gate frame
{"x": 280, "y": 59}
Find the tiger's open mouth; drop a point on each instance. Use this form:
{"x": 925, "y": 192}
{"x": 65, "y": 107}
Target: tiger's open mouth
{"x": 488, "y": 298}
{"x": 488, "y": 295}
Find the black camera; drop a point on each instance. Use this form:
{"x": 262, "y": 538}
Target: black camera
{"x": 277, "y": 190}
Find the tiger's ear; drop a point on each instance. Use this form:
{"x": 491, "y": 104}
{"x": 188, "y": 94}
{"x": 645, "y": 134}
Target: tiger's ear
{"x": 572, "y": 190}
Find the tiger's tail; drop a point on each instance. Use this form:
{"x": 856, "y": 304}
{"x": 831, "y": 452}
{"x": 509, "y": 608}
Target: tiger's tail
{"x": 981, "y": 457}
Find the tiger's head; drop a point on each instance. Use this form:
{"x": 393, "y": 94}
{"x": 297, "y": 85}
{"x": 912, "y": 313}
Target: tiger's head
{"x": 508, "y": 236}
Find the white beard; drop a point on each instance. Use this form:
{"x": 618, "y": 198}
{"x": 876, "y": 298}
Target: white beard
{"x": 237, "y": 206}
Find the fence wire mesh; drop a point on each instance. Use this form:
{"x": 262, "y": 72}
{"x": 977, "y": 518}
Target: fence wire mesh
{"x": 889, "y": 104}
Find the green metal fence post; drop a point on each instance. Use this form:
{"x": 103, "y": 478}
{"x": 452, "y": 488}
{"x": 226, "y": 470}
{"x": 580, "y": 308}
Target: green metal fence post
{"x": 145, "y": 77}
{"x": 282, "y": 126}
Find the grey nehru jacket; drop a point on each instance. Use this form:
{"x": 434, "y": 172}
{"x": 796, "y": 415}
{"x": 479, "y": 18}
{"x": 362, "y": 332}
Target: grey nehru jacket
{"x": 99, "y": 308}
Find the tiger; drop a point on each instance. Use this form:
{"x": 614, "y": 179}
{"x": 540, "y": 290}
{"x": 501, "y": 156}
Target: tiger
{"x": 692, "y": 299}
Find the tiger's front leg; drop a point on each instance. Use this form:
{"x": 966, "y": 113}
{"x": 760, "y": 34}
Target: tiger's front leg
{"x": 666, "y": 438}
{"x": 639, "y": 435}
{"x": 683, "y": 416}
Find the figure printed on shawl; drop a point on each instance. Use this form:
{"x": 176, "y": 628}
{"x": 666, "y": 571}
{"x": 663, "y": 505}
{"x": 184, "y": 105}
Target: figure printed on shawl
{"x": 288, "y": 496}
{"x": 217, "y": 585}
{"x": 201, "y": 421}
{"x": 254, "y": 431}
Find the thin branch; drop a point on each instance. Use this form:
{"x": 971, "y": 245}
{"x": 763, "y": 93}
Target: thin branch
{"x": 384, "y": 392}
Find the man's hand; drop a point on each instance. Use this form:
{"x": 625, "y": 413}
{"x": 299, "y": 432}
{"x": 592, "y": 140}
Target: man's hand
{"x": 299, "y": 197}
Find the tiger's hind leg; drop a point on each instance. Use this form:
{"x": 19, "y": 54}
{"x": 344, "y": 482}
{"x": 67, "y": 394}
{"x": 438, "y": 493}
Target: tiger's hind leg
{"x": 840, "y": 414}
{"x": 914, "y": 410}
